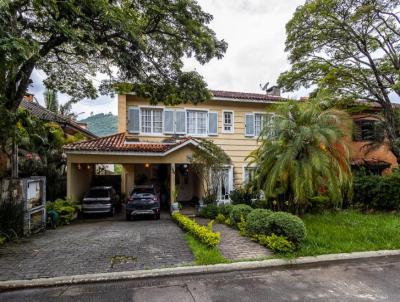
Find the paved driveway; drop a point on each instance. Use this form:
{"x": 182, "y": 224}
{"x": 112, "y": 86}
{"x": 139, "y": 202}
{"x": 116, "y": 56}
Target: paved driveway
{"x": 96, "y": 245}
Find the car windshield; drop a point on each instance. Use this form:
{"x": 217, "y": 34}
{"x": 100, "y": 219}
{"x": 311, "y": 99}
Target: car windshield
{"x": 97, "y": 193}
{"x": 143, "y": 191}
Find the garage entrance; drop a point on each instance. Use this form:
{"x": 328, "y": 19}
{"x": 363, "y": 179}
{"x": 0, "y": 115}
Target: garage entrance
{"x": 164, "y": 165}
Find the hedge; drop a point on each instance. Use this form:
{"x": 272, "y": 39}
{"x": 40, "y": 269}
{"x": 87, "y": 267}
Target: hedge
{"x": 287, "y": 225}
{"x": 377, "y": 192}
{"x": 202, "y": 233}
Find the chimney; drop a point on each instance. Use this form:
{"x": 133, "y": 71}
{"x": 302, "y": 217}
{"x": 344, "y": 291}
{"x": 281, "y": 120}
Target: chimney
{"x": 28, "y": 97}
{"x": 274, "y": 91}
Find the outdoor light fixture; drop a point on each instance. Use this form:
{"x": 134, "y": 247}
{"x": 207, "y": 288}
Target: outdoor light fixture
{"x": 79, "y": 166}
{"x": 147, "y": 165}
{"x": 88, "y": 166}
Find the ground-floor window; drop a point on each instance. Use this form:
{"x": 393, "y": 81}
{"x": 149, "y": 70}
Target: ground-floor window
{"x": 249, "y": 173}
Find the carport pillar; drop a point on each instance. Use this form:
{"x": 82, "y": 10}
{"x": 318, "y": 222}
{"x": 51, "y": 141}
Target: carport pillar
{"x": 172, "y": 183}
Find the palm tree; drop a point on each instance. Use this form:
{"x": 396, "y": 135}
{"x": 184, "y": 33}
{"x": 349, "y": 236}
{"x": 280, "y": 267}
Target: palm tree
{"x": 307, "y": 157}
{"x": 51, "y": 100}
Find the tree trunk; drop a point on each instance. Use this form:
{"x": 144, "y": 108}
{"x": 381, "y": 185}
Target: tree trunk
{"x": 391, "y": 129}
{"x": 14, "y": 159}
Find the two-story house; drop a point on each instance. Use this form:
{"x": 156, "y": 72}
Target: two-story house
{"x": 155, "y": 144}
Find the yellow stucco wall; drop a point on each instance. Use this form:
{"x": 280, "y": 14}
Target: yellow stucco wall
{"x": 236, "y": 144}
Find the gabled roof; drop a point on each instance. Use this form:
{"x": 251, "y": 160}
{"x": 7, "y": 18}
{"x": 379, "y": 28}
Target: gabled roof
{"x": 119, "y": 143}
{"x": 245, "y": 97}
{"x": 44, "y": 114}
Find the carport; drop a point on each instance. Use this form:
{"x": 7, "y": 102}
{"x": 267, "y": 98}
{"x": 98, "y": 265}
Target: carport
{"x": 165, "y": 164}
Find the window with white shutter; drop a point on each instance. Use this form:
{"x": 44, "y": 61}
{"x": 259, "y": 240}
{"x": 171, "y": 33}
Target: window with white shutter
{"x": 133, "y": 120}
{"x": 196, "y": 122}
{"x": 213, "y": 123}
{"x": 151, "y": 120}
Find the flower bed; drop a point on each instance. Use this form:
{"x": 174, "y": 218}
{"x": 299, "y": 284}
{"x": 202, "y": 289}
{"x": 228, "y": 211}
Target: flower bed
{"x": 203, "y": 233}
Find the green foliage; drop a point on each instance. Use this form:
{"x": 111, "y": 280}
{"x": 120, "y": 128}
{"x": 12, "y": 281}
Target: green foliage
{"x": 2, "y": 239}
{"x": 278, "y": 244}
{"x": 241, "y": 226}
{"x": 287, "y": 225}
{"x": 210, "y": 211}
{"x": 72, "y": 41}
{"x": 220, "y": 218}
{"x": 307, "y": 157}
{"x": 209, "y": 157}
{"x": 257, "y": 222}
{"x": 202, "y": 233}
{"x": 242, "y": 196}
{"x": 51, "y": 100}
{"x": 210, "y": 197}
{"x": 238, "y": 211}
{"x": 228, "y": 221}
{"x": 11, "y": 219}
{"x": 377, "y": 192}
{"x": 204, "y": 254}
{"x": 225, "y": 209}
{"x": 366, "y": 68}
{"x": 102, "y": 124}
{"x": 66, "y": 210}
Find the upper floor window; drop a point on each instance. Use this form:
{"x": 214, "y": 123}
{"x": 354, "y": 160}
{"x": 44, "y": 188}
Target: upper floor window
{"x": 259, "y": 121}
{"x": 228, "y": 121}
{"x": 366, "y": 130}
{"x": 196, "y": 122}
{"x": 151, "y": 120}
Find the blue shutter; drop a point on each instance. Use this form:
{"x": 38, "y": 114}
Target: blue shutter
{"x": 249, "y": 124}
{"x": 168, "y": 121}
{"x": 213, "y": 123}
{"x": 180, "y": 122}
{"x": 133, "y": 120}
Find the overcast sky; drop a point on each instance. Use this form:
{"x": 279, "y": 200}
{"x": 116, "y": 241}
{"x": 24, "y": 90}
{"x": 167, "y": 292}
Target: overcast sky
{"x": 255, "y": 32}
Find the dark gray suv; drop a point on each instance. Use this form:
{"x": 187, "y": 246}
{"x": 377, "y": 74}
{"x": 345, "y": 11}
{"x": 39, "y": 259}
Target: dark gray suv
{"x": 143, "y": 200}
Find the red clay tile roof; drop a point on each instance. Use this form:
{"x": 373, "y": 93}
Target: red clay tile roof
{"x": 43, "y": 113}
{"x": 240, "y": 96}
{"x": 118, "y": 143}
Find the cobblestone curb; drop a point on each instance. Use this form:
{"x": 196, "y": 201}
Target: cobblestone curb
{"x": 192, "y": 270}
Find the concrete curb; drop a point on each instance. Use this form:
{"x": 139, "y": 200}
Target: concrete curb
{"x": 191, "y": 270}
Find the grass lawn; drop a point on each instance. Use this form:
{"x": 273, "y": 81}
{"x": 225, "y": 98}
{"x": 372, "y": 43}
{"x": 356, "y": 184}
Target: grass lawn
{"x": 349, "y": 231}
{"x": 203, "y": 254}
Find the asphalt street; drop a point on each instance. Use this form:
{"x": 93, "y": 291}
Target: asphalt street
{"x": 366, "y": 280}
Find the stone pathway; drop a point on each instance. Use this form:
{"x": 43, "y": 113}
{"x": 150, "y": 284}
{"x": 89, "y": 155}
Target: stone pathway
{"x": 96, "y": 246}
{"x": 233, "y": 246}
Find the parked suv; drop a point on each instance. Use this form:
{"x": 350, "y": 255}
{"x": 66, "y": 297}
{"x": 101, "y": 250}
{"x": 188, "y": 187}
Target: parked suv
{"x": 143, "y": 200}
{"x": 100, "y": 200}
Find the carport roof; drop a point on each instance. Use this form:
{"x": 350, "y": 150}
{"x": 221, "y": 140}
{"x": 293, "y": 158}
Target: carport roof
{"x": 118, "y": 143}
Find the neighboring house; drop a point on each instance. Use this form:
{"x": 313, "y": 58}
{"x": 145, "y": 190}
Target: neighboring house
{"x": 69, "y": 126}
{"x": 155, "y": 144}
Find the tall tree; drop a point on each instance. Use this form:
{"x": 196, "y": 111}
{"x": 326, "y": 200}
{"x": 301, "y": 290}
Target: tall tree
{"x": 351, "y": 48}
{"x": 306, "y": 155}
{"x": 73, "y": 40}
{"x": 51, "y": 100}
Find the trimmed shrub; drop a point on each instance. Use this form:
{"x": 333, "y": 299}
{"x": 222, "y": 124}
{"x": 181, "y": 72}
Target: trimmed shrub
{"x": 203, "y": 233}
{"x": 257, "y": 222}
{"x": 242, "y": 196}
{"x": 287, "y": 225}
{"x": 238, "y": 211}
{"x": 276, "y": 243}
{"x": 210, "y": 211}
{"x": 2, "y": 239}
{"x": 225, "y": 209}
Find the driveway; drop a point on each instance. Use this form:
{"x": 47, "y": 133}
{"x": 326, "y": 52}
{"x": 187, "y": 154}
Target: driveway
{"x": 96, "y": 245}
